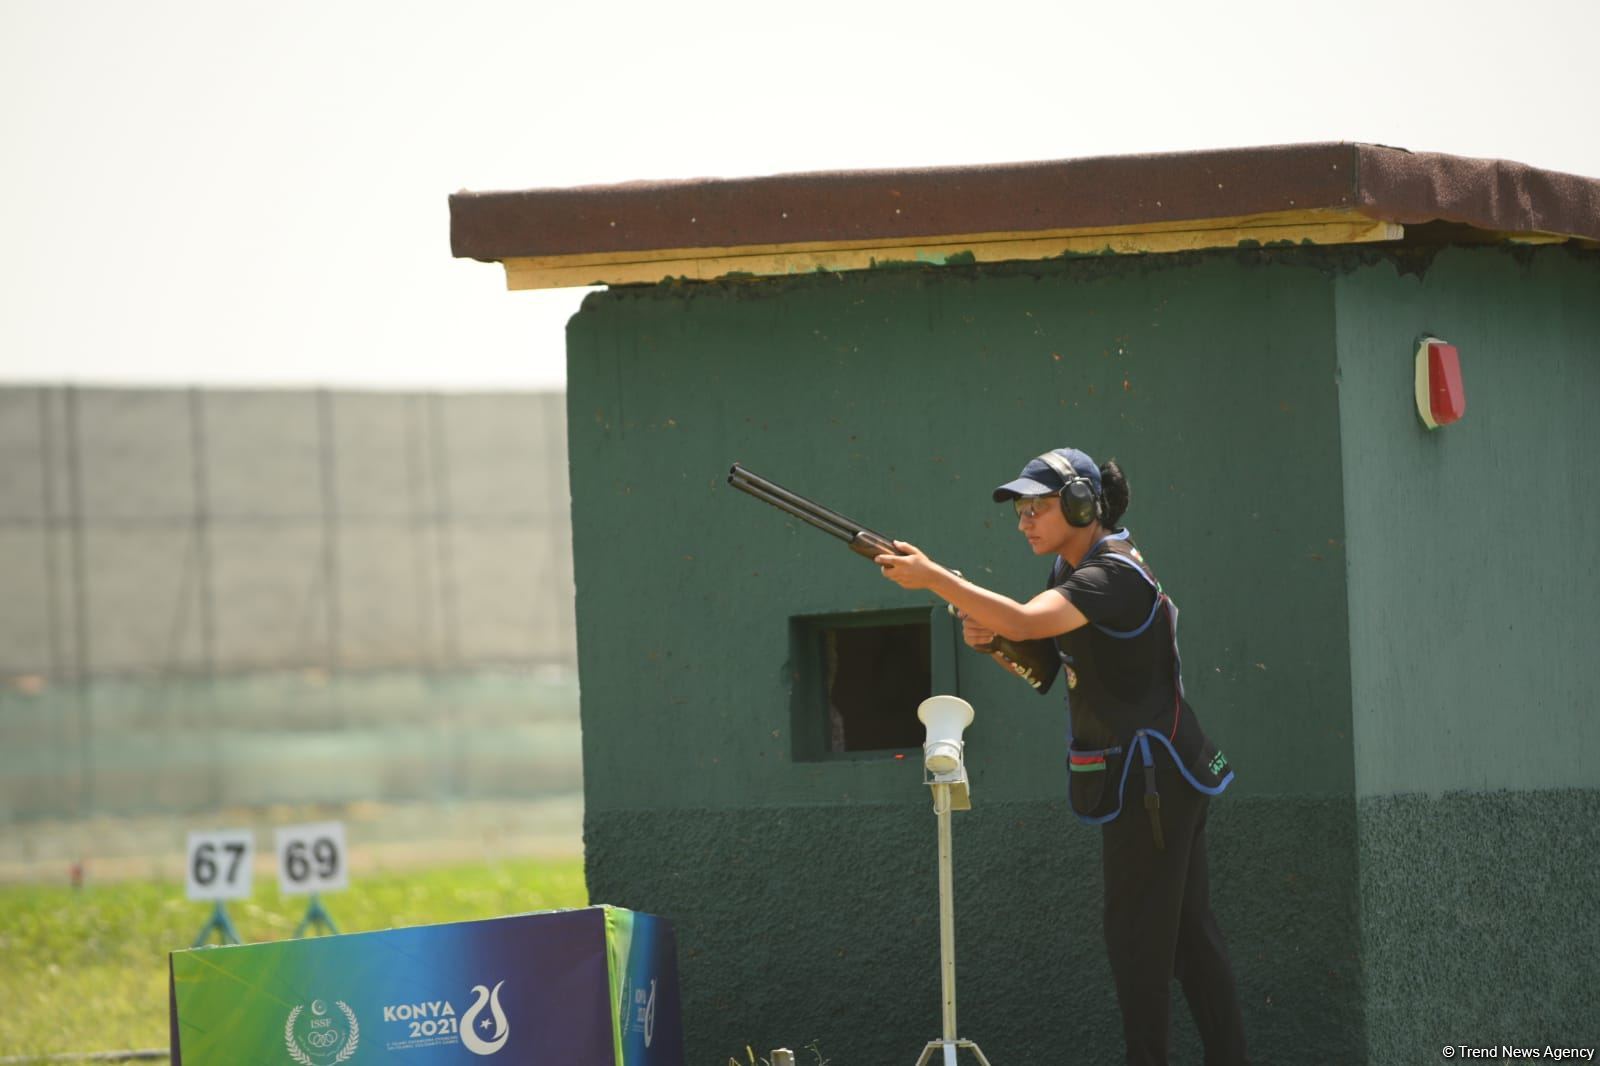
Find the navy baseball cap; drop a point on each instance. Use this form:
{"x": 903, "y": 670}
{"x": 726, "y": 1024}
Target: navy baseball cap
{"x": 1039, "y": 478}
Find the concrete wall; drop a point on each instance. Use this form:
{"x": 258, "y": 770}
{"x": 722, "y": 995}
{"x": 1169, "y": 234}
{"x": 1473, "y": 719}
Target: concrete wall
{"x": 1472, "y": 627}
{"x": 228, "y": 597}
{"x": 803, "y": 890}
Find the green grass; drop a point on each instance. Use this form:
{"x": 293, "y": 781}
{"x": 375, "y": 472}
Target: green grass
{"x": 87, "y": 970}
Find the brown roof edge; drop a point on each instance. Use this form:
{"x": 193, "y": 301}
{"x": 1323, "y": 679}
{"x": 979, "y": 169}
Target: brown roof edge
{"x": 1496, "y": 195}
{"x": 1387, "y": 184}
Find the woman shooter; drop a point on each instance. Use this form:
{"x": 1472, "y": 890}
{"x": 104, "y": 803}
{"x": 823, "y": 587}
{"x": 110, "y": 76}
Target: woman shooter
{"x": 1134, "y": 740}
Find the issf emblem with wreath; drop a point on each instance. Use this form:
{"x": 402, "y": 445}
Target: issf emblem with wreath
{"x": 322, "y": 1044}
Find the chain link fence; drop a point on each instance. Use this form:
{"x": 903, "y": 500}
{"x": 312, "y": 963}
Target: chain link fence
{"x": 218, "y": 599}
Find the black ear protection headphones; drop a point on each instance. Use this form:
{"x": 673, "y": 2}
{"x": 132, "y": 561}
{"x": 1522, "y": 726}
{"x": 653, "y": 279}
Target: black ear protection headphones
{"x": 1080, "y": 504}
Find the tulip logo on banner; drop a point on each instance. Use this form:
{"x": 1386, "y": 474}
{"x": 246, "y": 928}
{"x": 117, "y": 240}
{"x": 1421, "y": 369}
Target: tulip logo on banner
{"x": 494, "y": 1030}
{"x": 638, "y": 1011}
{"x": 318, "y": 1039}
{"x": 647, "y": 1014}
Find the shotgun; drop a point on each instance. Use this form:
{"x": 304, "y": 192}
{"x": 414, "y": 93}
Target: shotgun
{"x": 1035, "y": 661}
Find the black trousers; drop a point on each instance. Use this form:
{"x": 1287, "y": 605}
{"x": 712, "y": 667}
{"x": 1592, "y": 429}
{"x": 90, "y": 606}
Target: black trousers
{"x": 1159, "y": 925}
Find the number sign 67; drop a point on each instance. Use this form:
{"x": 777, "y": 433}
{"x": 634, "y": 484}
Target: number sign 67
{"x": 311, "y": 858}
{"x": 219, "y": 865}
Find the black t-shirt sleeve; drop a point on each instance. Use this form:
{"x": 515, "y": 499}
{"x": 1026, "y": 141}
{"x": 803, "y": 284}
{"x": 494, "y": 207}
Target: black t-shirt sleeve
{"x": 1112, "y": 594}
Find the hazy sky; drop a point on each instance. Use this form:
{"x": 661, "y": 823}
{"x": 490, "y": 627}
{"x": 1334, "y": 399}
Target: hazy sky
{"x": 245, "y": 193}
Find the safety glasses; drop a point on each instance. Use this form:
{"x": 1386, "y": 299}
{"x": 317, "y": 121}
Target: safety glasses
{"x": 1030, "y": 506}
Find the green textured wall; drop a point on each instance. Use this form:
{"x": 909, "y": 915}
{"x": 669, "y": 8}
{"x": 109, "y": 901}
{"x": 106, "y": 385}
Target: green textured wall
{"x": 902, "y": 398}
{"x": 1471, "y": 592}
{"x": 804, "y": 892}
{"x": 1472, "y": 575}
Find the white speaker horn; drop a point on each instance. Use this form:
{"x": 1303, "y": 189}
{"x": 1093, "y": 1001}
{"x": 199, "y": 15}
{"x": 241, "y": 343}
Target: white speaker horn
{"x": 945, "y": 718}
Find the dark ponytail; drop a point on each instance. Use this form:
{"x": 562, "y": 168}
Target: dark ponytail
{"x": 1114, "y": 490}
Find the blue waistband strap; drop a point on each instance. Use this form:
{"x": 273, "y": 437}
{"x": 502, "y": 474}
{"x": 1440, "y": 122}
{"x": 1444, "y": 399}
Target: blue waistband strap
{"x": 1182, "y": 769}
{"x": 1142, "y": 738}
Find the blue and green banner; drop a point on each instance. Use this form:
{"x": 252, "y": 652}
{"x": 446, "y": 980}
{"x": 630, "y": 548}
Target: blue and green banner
{"x": 590, "y": 987}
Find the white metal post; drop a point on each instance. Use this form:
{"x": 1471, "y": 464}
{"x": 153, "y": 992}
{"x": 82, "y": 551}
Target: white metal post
{"x": 947, "y": 921}
{"x": 945, "y": 773}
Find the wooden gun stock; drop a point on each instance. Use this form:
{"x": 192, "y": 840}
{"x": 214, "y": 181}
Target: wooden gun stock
{"x": 1035, "y": 661}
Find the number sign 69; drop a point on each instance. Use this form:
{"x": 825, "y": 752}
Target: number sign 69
{"x": 311, "y": 858}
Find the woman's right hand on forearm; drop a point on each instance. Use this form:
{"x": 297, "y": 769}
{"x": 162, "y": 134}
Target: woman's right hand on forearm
{"x": 974, "y": 634}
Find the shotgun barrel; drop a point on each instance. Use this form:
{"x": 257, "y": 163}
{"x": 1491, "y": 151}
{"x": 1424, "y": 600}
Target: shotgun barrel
{"x": 861, "y": 540}
{"x": 1034, "y": 661}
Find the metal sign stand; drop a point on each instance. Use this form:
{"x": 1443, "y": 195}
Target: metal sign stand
{"x": 220, "y": 924}
{"x": 949, "y": 793}
{"x": 316, "y": 916}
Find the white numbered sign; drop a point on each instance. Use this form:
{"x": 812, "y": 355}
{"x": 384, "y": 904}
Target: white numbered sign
{"x": 219, "y": 864}
{"x": 311, "y": 858}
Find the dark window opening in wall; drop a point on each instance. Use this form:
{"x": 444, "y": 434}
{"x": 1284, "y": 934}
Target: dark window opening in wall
{"x": 859, "y": 678}
{"x": 876, "y": 676}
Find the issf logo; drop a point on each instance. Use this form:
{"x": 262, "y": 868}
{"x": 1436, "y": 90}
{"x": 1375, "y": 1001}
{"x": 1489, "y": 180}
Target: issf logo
{"x": 320, "y": 1036}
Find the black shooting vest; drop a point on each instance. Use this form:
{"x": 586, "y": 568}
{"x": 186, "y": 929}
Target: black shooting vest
{"x": 1099, "y": 769}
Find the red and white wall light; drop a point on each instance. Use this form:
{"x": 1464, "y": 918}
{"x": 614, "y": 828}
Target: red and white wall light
{"x": 1441, "y": 399}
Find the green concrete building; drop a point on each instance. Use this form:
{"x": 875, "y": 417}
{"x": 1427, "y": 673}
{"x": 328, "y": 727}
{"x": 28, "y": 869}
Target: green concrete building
{"x": 1386, "y": 627}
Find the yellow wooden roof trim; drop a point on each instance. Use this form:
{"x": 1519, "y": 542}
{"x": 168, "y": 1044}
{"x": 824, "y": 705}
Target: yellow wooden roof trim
{"x": 1326, "y": 226}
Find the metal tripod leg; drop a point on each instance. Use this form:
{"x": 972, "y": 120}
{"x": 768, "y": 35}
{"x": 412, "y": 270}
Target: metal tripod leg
{"x": 950, "y": 1051}
{"x": 317, "y": 916}
{"x": 220, "y": 924}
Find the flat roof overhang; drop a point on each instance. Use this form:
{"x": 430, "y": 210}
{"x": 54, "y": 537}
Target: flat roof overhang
{"x": 706, "y": 229}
